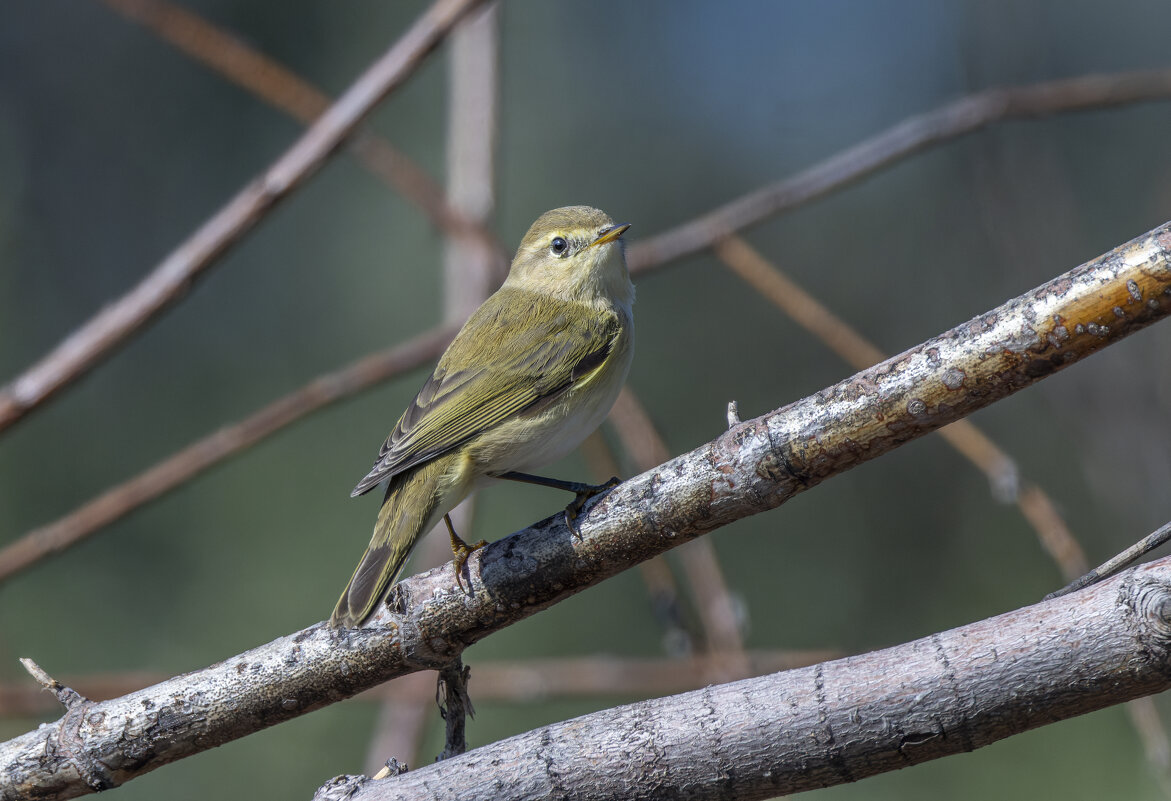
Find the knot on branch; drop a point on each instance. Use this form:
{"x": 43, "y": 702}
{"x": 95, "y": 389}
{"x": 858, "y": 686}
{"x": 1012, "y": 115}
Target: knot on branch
{"x": 69, "y": 744}
{"x": 339, "y": 788}
{"x": 1150, "y": 600}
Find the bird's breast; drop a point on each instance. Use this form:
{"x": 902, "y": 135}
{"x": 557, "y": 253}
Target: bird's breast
{"x": 537, "y": 438}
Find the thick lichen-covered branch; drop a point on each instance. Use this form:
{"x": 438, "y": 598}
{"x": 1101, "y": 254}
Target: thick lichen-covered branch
{"x": 835, "y": 722}
{"x": 752, "y": 467}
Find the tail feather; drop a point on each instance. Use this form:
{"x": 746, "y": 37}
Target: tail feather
{"x": 414, "y": 502}
{"x": 378, "y": 569}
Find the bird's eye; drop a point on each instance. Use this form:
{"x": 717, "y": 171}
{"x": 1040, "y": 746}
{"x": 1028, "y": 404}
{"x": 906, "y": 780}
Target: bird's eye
{"x": 559, "y": 247}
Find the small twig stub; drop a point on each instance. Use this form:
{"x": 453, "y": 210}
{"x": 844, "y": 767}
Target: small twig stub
{"x": 733, "y": 414}
{"x": 451, "y": 694}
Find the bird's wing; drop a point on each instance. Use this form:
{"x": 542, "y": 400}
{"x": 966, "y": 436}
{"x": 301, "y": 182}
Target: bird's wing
{"x": 498, "y": 366}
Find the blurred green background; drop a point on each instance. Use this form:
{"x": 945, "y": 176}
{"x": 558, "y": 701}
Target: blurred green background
{"x": 114, "y": 147}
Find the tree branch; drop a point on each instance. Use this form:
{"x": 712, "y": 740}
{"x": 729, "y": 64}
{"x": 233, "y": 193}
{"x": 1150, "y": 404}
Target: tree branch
{"x": 204, "y": 453}
{"x": 470, "y": 267}
{"x": 283, "y": 89}
{"x": 753, "y": 467}
{"x": 1007, "y": 484}
{"x": 713, "y": 599}
{"x": 963, "y": 435}
{"x": 840, "y": 721}
{"x": 873, "y": 154}
{"x": 891, "y": 146}
{"x": 171, "y": 279}
{"x": 455, "y": 706}
{"x": 524, "y": 681}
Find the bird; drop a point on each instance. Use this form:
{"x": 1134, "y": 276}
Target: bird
{"x": 534, "y": 370}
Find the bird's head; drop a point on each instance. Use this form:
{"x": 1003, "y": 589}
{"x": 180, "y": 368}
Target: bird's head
{"x": 574, "y": 253}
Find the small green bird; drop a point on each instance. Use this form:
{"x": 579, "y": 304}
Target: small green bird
{"x": 533, "y": 371}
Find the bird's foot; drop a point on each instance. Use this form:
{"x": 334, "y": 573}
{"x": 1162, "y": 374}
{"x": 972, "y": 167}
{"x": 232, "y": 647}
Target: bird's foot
{"x": 584, "y": 492}
{"x": 460, "y": 551}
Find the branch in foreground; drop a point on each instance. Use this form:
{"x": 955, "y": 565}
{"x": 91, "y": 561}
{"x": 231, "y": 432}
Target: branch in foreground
{"x": 115, "y": 323}
{"x": 679, "y": 633}
{"x": 899, "y": 142}
{"x": 1007, "y": 484}
{"x": 713, "y": 600}
{"x": 527, "y": 681}
{"x": 963, "y": 435}
{"x": 841, "y": 721}
{"x": 751, "y": 468}
{"x": 202, "y": 454}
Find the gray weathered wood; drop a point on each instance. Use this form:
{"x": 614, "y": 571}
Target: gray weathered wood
{"x": 836, "y": 722}
{"x": 752, "y": 467}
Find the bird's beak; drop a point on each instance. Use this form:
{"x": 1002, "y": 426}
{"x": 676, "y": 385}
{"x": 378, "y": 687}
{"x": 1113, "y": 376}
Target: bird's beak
{"x": 610, "y": 234}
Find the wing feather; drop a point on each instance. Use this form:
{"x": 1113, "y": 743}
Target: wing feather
{"x": 487, "y": 375}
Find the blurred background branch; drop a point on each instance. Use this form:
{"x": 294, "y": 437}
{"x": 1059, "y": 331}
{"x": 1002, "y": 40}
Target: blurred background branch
{"x": 199, "y": 456}
{"x": 167, "y": 282}
{"x": 470, "y": 274}
{"x": 274, "y": 83}
{"x": 836, "y": 173}
{"x": 901, "y": 141}
{"x": 600, "y": 106}
{"x": 971, "y": 443}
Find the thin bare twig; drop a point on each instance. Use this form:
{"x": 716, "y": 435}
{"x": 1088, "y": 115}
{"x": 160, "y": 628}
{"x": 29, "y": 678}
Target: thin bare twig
{"x": 1117, "y": 563}
{"x": 66, "y": 696}
{"x": 804, "y": 309}
{"x": 171, "y": 279}
{"x": 205, "y": 453}
{"x": 469, "y": 265}
{"x": 904, "y": 139}
{"x": 286, "y": 91}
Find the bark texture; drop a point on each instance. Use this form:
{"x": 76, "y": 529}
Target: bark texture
{"x": 836, "y": 722}
{"x": 755, "y": 466}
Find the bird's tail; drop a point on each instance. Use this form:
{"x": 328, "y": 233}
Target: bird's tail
{"x": 414, "y": 502}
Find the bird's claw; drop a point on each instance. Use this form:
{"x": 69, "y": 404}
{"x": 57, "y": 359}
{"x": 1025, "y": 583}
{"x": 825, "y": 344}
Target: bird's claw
{"x": 460, "y": 551}
{"x": 460, "y": 558}
{"x": 583, "y": 495}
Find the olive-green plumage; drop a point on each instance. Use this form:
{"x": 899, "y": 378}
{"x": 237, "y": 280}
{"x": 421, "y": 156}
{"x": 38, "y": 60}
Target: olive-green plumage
{"x": 533, "y": 371}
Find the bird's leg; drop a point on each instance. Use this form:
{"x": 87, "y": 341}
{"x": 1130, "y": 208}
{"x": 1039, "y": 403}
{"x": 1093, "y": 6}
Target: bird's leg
{"x": 583, "y": 492}
{"x": 460, "y": 550}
